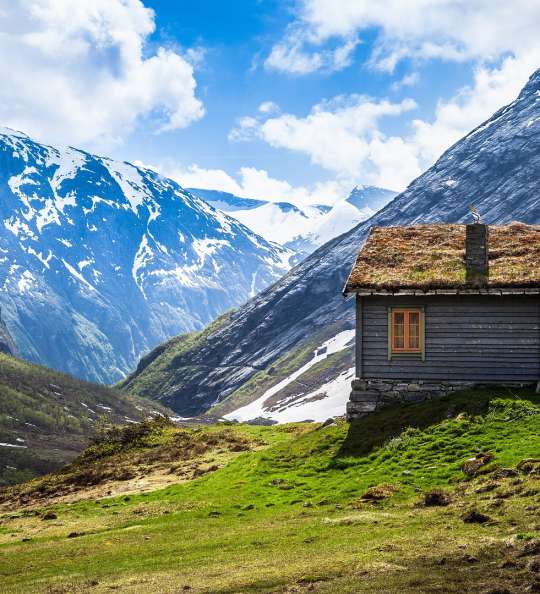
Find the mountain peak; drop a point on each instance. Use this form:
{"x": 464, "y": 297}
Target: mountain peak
{"x": 6, "y": 131}
{"x": 532, "y": 86}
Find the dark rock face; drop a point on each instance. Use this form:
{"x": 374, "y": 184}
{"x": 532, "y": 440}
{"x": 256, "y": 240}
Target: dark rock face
{"x": 7, "y": 344}
{"x": 496, "y": 167}
{"x": 100, "y": 261}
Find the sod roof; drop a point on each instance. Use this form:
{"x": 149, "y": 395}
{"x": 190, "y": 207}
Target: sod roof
{"x": 429, "y": 257}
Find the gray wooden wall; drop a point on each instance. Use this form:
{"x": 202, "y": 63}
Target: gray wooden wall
{"x": 474, "y": 338}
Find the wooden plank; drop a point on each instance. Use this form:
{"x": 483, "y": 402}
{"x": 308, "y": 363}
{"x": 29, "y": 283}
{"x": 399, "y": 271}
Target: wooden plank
{"x": 453, "y": 375}
{"x": 359, "y": 336}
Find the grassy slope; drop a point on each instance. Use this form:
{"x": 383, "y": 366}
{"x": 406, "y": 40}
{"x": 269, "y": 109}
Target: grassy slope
{"x": 288, "y": 516}
{"x": 45, "y": 411}
{"x": 157, "y": 368}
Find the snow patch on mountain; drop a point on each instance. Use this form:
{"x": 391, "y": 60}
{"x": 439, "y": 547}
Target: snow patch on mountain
{"x": 284, "y": 410}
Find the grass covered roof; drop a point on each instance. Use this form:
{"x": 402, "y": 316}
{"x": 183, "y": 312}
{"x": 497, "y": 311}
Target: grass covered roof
{"x": 429, "y": 257}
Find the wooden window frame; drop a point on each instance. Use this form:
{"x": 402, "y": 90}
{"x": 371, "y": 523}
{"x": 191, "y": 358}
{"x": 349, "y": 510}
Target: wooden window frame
{"x": 406, "y": 352}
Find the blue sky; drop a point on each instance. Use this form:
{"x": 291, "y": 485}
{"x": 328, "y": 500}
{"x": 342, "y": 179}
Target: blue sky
{"x": 233, "y": 82}
{"x": 280, "y": 99}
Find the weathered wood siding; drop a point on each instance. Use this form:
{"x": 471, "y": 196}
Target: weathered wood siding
{"x": 473, "y": 338}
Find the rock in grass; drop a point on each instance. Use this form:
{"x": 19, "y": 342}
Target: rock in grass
{"x": 486, "y": 488}
{"x": 532, "y": 547}
{"x": 473, "y": 516}
{"x": 49, "y": 515}
{"x": 473, "y": 465}
{"x": 435, "y": 498}
{"x": 329, "y": 422}
{"x": 505, "y": 473}
{"x": 529, "y": 466}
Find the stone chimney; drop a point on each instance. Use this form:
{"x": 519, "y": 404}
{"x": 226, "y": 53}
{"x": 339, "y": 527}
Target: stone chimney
{"x": 476, "y": 254}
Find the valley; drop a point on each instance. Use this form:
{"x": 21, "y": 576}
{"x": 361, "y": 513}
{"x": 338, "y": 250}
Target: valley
{"x": 269, "y": 297}
{"x": 47, "y": 418}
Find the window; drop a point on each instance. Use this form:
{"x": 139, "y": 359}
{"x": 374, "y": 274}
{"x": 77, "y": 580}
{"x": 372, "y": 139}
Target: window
{"x": 406, "y": 330}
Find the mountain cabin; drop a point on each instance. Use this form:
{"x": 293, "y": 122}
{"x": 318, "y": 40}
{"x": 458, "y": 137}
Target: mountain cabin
{"x": 442, "y": 308}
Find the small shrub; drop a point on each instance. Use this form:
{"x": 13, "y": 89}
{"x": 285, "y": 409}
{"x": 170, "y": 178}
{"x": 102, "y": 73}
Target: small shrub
{"x": 403, "y": 440}
{"x": 511, "y": 410}
{"x": 379, "y": 492}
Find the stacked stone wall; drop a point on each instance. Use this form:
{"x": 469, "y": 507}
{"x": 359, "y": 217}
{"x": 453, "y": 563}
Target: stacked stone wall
{"x": 370, "y": 395}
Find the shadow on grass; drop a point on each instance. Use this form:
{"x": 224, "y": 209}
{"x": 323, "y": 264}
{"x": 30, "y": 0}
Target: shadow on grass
{"x": 374, "y": 430}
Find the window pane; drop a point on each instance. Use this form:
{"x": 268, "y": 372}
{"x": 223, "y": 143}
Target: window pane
{"x": 414, "y": 330}
{"x": 399, "y": 326}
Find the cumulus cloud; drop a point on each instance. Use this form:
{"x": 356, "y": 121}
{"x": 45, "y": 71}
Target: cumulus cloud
{"x": 290, "y": 55}
{"x": 454, "y": 30}
{"x": 491, "y": 89}
{"x": 341, "y": 136}
{"x": 250, "y": 182}
{"x": 409, "y": 80}
{"x": 497, "y": 38}
{"x": 268, "y": 107}
{"x": 83, "y": 72}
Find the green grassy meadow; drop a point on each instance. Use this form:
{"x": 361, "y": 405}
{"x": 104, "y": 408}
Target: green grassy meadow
{"x": 296, "y": 508}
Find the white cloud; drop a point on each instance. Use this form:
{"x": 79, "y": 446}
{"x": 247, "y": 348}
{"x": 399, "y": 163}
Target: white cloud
{"x": 290, "y": 55}
{"x": 491, "y": 89}
{"x": 257, "y": 183}
{"x": 341, "y": 136}
{"x": 499, "y": 39}
{"x": 268, "y": 107}
{"x": 454, "y": 30}
{"x": 344, "y": 136}
{"x": 409, "y": 80}
{"x": 82, "y": 72}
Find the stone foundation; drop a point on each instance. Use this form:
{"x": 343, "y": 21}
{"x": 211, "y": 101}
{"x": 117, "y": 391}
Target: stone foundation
{"x": 370, "y": 395}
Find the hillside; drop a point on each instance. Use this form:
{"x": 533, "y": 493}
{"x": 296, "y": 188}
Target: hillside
{"x": 496, "y": 166}
{"x": 435, "y": 498}
{"x": 47, "y": 418}
{"x": 102, "y": 260}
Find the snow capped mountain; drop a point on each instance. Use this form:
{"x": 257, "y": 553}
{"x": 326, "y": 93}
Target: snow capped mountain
{"x": 281, "y": 222}
{"x": 361, "y": 204}
{"x": 301, "y": 229}
{"x": 268, "y": 354}
{"x": 101, "y": 260}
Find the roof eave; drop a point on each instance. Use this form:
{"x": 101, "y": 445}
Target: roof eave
{"x": 366, "y": 291}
